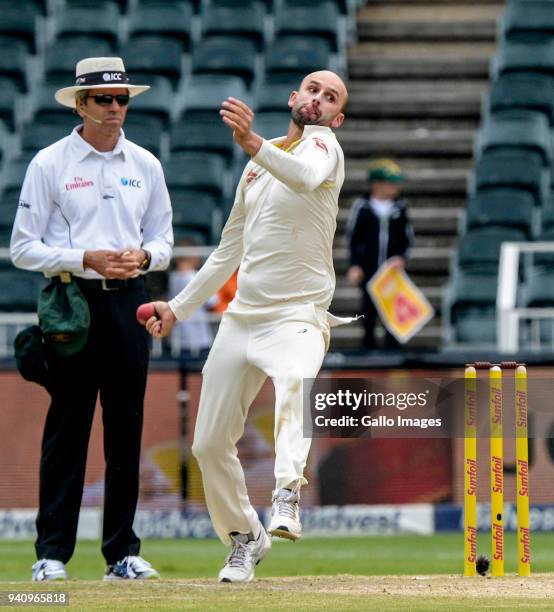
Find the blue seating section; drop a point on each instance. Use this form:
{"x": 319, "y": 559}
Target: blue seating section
{"x": 511, "y": 189}
{"x": 193, "y": 53}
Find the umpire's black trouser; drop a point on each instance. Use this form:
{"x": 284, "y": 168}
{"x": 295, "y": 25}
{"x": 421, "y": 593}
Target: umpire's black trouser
{"x": 113, "y": 363}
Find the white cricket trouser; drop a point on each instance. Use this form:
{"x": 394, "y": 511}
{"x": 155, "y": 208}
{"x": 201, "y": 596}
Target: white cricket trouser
{"x": 288, "y": 344}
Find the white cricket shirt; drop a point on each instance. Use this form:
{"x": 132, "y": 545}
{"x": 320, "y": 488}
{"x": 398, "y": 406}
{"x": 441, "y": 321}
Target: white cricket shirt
{"x": 280, "y": 229}
{"x": 75, "y": 198}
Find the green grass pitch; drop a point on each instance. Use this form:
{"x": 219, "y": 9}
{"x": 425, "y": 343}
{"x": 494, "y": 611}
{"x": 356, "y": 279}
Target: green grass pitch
{"x": 400, "y": 572}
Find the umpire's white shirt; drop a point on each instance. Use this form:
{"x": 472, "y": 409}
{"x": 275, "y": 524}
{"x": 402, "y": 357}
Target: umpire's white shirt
{"x": 280, "y": 230}
{"x": 75, "y": 198}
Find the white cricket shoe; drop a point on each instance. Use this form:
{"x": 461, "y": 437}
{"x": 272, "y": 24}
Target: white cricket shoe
{"x": 285, "y": 514}
{"x": 49, "y": 569}
{"x": 246, "y": 553}
{"x": 131, "y": 568}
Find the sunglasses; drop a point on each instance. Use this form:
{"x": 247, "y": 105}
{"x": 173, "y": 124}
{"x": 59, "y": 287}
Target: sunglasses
{"x": 107, "y": 99}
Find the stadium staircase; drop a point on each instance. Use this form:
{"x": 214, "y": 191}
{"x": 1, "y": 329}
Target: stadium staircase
{"x": 416, "y": 79}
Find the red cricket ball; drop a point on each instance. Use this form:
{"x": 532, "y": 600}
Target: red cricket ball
{"x": 145, "y": 312}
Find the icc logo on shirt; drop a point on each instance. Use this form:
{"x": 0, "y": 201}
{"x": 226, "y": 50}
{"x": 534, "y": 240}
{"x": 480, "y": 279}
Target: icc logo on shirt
{"x": 127, "y": 182}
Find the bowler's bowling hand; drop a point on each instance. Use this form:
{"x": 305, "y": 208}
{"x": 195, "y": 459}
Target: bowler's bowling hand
{"x": 239, "y": 117}
{"x": 160, "y": 326}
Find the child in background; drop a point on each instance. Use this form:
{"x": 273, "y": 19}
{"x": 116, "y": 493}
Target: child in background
{"x": 194, "y": 335}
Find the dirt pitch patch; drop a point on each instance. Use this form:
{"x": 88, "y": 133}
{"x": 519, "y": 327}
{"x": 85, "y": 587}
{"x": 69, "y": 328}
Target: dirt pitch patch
{"x": 343, "y": 592}
{"x": 539, "y": 585}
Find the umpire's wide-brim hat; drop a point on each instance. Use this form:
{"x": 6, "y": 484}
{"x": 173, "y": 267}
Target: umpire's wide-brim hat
{"x": 96, "y": 72}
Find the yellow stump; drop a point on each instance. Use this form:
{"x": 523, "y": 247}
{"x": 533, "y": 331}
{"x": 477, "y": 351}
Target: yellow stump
{"x": 497, "y": 470}
{"x": 470, "y": 471}
{"x": 522, "y": 480}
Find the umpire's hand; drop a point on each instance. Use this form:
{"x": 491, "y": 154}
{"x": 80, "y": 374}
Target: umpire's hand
{"x": 114, "y": 264}
{"x": 161, "y": 326}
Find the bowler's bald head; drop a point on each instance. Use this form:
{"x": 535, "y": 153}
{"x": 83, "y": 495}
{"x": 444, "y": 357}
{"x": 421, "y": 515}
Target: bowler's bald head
{"x": 329, "y": 79}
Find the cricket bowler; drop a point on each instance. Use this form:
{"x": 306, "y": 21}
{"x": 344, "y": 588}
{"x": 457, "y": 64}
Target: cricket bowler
{"x": 280, "y": 235}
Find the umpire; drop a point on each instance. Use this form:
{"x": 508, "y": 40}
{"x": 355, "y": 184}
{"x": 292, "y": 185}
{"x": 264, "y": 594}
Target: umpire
{"x": 95, "y": 205}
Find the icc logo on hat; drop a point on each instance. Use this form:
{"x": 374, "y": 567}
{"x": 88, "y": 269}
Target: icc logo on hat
{"x": 112, "y": 76}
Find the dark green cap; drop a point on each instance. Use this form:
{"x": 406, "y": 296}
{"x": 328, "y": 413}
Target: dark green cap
{"x": 64, "y": 317}
{"x": 29, "y": 355}
{"x": 385, "y": 170}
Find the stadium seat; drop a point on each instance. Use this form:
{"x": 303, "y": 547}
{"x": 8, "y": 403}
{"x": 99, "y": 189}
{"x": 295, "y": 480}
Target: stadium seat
{"x": 144, "y": 131}
{"x": 210, "y": 135}
{"x": 39, "y": 7}
{"x": 62, "y": 56}
{"x": 524, "y": 57}
{"x": 545, "y": 260}
{"x": 5, "y": 236}
{"x": 271, "y": 124}
{"x": 274, "y": 96}
{"x": 224, "y": 55}
{"x": 21, "y": 289}
{"x": 242, "y": 21}
{"x": 342, "y": 5}
{"x": 8, "y": 208}
{"x": 5, "y": 141}
{"x": 525, "y": 90}
{"x": 548, "y": 213}
{"x": 157, "y": 102}
{"x": 479, "y": 248}
{"x": 291, "y": 58}
{"x": 8, "y": 94}
{"x": 195, "y": 211}
{"x": 157, "y": 3}
{"x": 171, "y": 21}
{"x": 13, "y": 174}
{"x": 18, "y": 23}
{"x": 539, "y": 293}
{"x": 123, "y": 5}
{"x": 37, "y": 135}
{"x": 46, "y": 108}
{"x": 512, "y": 167}
{"x": 242, "y": 3}
{"x": 204, "y": 93}
{"x": 99, "y": 22}
{"x": 156, "y": 55}
{"x": 297, "y": 19}
{"x": 201, "y": 171}
{"x": 13, "y": 63}
{"x": 475, "y": 325}
{"x": 515, "y": 128}
{"x": 182, "y": 234}
{"x": 506, "y": 208}
{"x": 529, "y": 21}
{"x": 473, "y": 288}
{"x": 539, "y": 287}
{"x": 471, "y": 299}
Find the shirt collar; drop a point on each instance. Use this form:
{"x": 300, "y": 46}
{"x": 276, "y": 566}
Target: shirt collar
{"x": 308, "y": 132}
{"x": 83, "y": 148}
{"x": 312, "y": 130}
